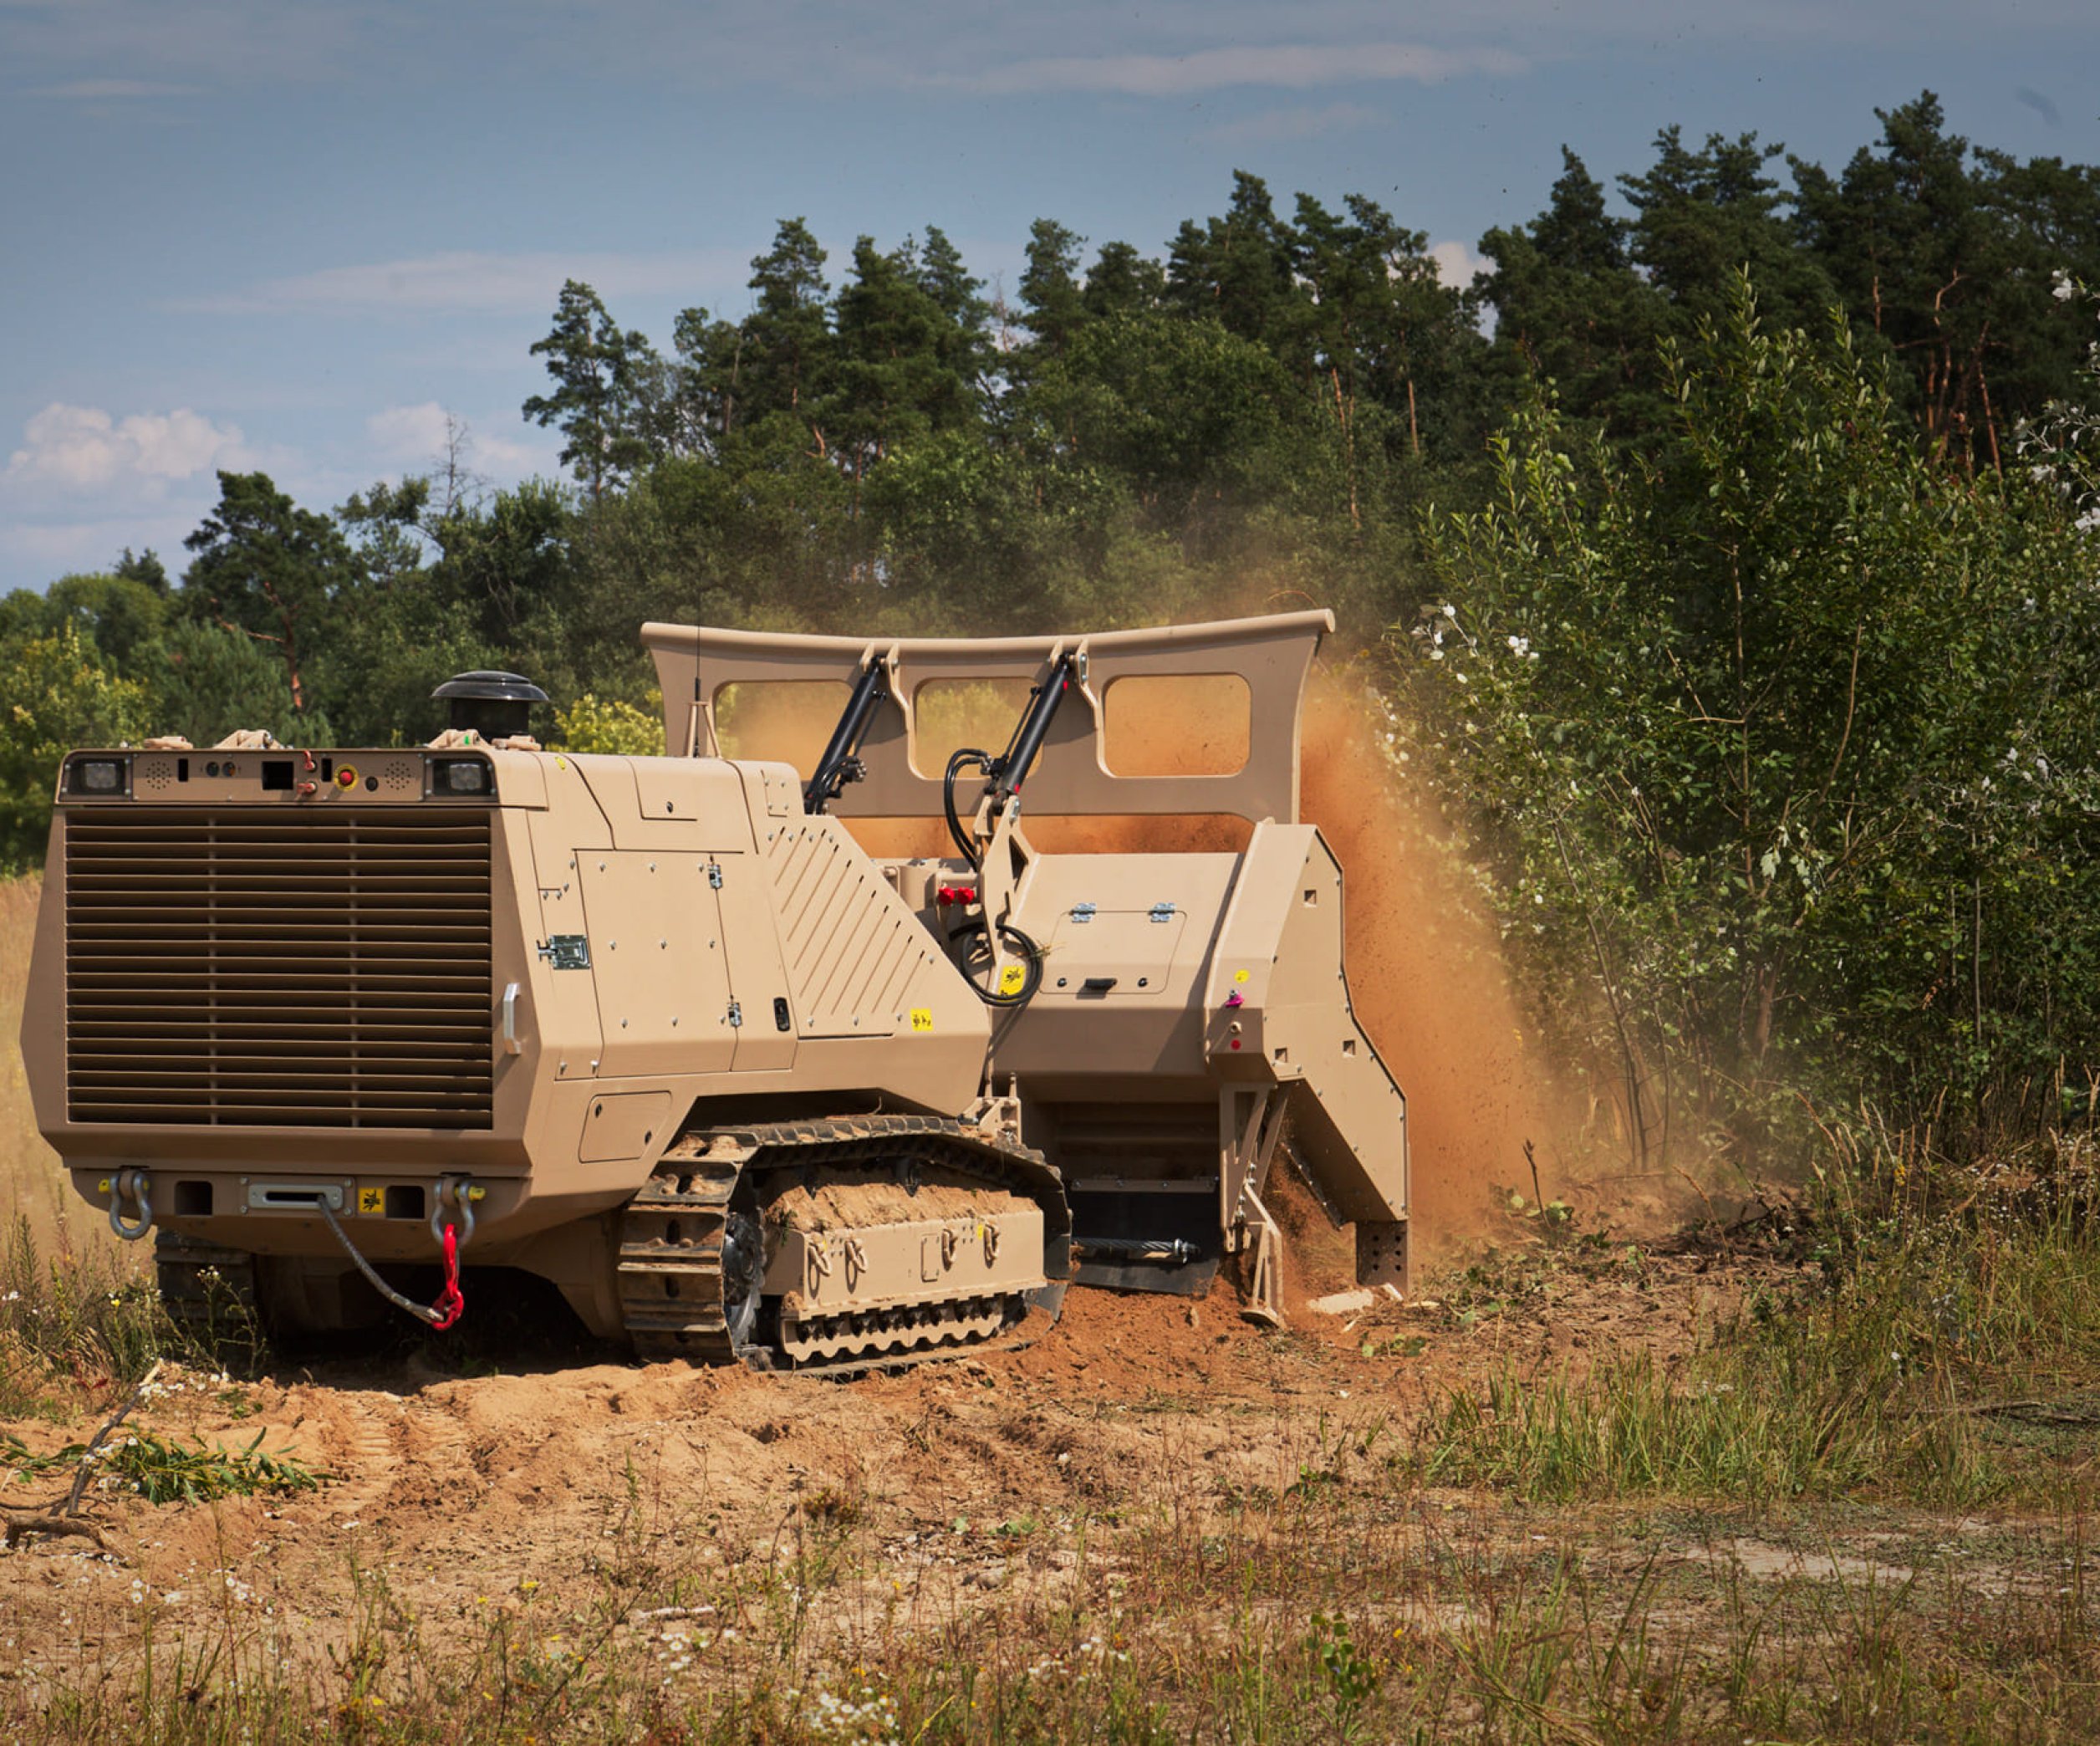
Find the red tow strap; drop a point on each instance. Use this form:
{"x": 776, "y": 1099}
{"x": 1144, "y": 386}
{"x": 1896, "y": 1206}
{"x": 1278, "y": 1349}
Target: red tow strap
{"x": 449, "y": 1305}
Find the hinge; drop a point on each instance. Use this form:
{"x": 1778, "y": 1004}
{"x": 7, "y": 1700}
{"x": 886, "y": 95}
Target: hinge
{"x": 736, "y": 1015}
{"x": 566, "y": 952}
{"x": 1162, "y": 913}
{"x": 1082, "y": 912}
{"x": 714, "y": 874}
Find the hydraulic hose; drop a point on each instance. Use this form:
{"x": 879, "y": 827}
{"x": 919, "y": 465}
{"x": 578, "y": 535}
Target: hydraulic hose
{"x": 961, "y": 759}
{"x": 1024, "y": 948}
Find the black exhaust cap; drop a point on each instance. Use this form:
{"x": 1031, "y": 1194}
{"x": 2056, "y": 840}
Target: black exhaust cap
{"x": 494, "y": 705}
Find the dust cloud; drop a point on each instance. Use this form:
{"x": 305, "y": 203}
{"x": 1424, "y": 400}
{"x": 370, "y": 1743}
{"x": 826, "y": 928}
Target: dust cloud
{"x": 1430, "y": 982}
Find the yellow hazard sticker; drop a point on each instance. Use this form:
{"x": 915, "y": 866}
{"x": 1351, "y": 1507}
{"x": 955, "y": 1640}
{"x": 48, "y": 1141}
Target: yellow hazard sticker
{"x": 371, "y": 1200}
{"x": 1240, "y": 975}
{"x": 922, "y": 1018}
{"x": 1011, "y": 977}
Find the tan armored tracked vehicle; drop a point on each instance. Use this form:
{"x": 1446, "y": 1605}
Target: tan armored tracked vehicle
{"x": 661, "y": 1031}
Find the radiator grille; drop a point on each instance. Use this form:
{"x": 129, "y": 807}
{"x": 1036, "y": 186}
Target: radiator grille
{"x": 316, "y": 970}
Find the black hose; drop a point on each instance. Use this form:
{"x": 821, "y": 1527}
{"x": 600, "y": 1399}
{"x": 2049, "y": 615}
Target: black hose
{"x": 1024, "y": 948}
{"x": 957, "y": 761}
{"x": 422, "y": 1313}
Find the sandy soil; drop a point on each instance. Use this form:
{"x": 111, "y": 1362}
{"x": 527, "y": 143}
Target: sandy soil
{"x": 472, "y": 1490}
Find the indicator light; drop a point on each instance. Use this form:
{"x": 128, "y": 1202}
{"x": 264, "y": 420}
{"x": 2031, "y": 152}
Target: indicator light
{"x": 462, "y": 776}
{"x": 101, "y": 776}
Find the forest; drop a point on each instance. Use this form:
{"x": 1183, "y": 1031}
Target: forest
{"x": 1724, "y": 556}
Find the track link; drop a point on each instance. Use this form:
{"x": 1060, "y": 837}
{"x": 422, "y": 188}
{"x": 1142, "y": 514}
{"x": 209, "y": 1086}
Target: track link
{"x": 690, "y": 1246}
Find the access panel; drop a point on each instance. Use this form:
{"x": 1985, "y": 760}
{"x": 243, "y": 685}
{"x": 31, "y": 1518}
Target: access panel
{"x": 658, "y": 956}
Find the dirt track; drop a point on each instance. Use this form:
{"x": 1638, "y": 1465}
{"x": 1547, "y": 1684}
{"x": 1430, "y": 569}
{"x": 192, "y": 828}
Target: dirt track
{"x": 480, "y": 1492}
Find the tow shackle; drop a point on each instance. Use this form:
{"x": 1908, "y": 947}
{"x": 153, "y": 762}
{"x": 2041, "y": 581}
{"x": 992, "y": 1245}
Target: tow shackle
{"x": 458, "y": 1192}
{"x": 130, "y": 1185}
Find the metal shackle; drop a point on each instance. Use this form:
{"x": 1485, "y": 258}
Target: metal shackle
{"x": 130, "y": 1185}
{"x": 457, "y": 1190}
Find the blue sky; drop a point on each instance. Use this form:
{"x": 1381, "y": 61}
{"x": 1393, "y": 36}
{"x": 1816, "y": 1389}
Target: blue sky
{"x": 297, "y": 234}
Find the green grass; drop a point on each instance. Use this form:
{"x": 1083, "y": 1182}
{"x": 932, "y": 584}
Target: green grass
{"x": 1945, "y": 1352}
{"x": 165, "y": 1469}
{"x": 72, "y": 1326}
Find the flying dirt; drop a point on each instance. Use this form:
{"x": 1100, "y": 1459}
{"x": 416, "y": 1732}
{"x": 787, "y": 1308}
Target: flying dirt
{"x": 666, "y": 1032}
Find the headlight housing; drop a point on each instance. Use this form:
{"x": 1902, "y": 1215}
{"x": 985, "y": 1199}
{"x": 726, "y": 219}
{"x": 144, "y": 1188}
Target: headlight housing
{"x": 459, "y": 776}
{"x": 103, "y": 778}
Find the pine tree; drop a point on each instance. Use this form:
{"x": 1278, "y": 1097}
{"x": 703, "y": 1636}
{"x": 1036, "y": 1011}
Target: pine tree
{"x": 1569, "y": 306}
{"x": 1053, "y": 305}
{"x": 1237, "y": 269}
{"x": 1947, "y": 256}
{"x": 275, "y": 573}
{"x": 1701, "y": 218}
{"x": 786, "y": 353}
{"x": 608, "y": 390}
{"x": 1122, "y": 282}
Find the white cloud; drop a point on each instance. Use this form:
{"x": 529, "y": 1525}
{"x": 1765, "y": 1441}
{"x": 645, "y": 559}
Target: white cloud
{"x": 85, "y": 448}
{"x": 420, "y": 436}
{"x": 1294, "y": 66}
{"x": 813, "y": 46}
{"x": 225, "y": 42}
{"x": 462, "y": 279}
{"x": 409, "y": 434}
{"x": 1456, "y": 263}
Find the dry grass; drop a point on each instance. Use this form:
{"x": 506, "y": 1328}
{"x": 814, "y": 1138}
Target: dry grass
{"x": 31, "y": 1185}
{"x": 1337, "y": 1608}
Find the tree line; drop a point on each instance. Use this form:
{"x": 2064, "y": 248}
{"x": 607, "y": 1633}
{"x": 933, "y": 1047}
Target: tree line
{"x": 1744, "y": 520}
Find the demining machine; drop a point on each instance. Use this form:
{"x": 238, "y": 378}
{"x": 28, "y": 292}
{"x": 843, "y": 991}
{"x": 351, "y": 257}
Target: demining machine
{"x": 330, "y": 1025}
